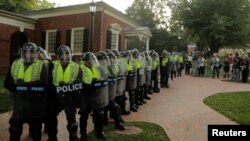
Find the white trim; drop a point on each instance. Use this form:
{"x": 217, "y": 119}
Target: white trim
{"x": 17, "y": 23}
{"x": 72, "y": 38}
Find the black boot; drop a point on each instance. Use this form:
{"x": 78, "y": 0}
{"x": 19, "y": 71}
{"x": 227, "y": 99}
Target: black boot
{"x": 106, "y": 118}
{"x": 116, "y": 112}
{"x": 98, "y": 123}
{"x": 52, "y": 129}
{"x": 15, "y": 133}
{"x": 35, "y": 131}
{"x": 83, "y": 125}
{"x": 72, "y": 128}
{"x": 132, "y": 101}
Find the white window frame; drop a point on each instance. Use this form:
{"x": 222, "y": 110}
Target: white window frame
{"x": 47, "y": 41}
{"x": 72, "y": 39}
{"x": 115, "y": 29}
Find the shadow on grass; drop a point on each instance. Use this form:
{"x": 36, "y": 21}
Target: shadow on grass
{"x": 151, "y": 132}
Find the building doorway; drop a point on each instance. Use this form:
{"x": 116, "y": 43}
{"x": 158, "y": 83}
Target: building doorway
{"x": 17, "y": 41}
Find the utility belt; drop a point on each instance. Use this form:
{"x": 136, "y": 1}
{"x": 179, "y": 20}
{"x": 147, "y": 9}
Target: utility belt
{"x": 30, "y": 89}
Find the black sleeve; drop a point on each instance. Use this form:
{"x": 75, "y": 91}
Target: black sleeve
{"x": 44, "y": 74}
{"x": 79, "y": 75}
{"x": 8, "y": 82}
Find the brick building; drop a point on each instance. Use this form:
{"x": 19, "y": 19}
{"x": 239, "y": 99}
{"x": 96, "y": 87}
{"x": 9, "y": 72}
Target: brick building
{"x": 70, "y": 25}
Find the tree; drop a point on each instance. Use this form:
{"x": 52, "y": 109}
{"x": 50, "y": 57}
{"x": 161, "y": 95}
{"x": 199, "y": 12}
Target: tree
{"x": 25, "y": 5}
{"x": 214, "y": 23}
{"x": 152, "y": 13}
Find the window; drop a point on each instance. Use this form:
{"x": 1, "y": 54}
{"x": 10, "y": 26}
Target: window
{"x": 51, "y": 40}
{"x": 115, "y": 31}
{"x": 114, "y": 41}
{"x": 77, "y": 40}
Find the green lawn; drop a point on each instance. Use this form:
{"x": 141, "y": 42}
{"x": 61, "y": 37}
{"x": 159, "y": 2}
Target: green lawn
{"x": 234, "y": 105}
{"x": 4, "y": 96}
{"x": 151, "y": 132}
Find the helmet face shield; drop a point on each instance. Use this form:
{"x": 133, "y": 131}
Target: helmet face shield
{"x": 29, "y": 52}
{"x": 64, "y": 54}
{"x": 90, "y": 59}
{"x": 112, "y": 58}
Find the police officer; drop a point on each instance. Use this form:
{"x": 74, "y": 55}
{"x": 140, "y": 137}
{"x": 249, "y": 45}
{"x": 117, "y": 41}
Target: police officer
{"x": 89, "y": 61}
{"x": 148, "y": 72}
{"x": 66, "y": 78}
{"x": 131, "y": 80}
{"x": 27, "y": 81}
{"x": 155, "y": 72}
{"x": 121, "y": 98}
{"x": 139, "y": 97}
{"x": 165, "y": 68}
{"x": 99, "y": 95}
{"x": 113, "y": 107}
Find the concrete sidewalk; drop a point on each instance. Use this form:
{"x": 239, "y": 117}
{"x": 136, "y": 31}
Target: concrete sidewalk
{"x": 179, "y": 110}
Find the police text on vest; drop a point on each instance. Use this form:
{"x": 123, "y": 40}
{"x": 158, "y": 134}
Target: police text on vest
{"x": 69, "y": 88}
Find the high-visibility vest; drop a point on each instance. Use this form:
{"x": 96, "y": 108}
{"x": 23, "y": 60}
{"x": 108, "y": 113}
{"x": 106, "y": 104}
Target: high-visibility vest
{"x": 181, "y": 60}
{"x": 87, "y": 74}
{"x": 130, "y": 65}
{"x": 69, "y": 75}
{"x": 164, "y": 61}
{"x": 138, "y": 63}
{"x": 154, "y": 64}
{"x": 95, "y": 72}
{"x": 32, "y": 73}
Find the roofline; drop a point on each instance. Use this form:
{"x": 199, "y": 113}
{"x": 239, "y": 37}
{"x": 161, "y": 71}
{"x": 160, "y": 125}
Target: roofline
{"x": 16, "y": 16}
{"x": 82, "y": 8}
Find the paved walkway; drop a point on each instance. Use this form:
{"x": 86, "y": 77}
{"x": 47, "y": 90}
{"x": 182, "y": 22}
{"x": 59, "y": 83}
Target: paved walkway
{"x": 179, "y": 110}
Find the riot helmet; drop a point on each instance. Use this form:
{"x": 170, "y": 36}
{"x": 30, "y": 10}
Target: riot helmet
{"x": 164, "y": 53}
{"x": 112, "y": 58}
{"x": 42, "y": 54}
{"x": 90, "y": 59}
{"x": 29, "y": 52}
{"x": 103, "y": 58}
{"x": 136, "y": 53}
{"x": 64, "y": 54}
{"x": 116, "y": 52}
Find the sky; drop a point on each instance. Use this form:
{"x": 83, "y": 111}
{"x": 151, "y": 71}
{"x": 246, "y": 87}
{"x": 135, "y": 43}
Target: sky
{"x": 120, "y": 5}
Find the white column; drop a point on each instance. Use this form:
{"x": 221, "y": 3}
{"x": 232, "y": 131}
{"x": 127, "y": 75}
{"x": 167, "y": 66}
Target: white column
{"x": 147, "y": 45}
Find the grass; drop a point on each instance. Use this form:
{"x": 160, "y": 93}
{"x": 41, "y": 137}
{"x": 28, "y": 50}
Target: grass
{"x": 151, "y": 132}
{"x": 4, "y": 96}
{"x": 234, "y": 105}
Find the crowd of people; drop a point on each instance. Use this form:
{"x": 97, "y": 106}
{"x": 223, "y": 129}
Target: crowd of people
{"x": 98, "y": 83}
{"x": 231, "y": 66}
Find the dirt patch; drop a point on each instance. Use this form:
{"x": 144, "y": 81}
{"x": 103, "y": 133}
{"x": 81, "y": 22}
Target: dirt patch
{"x": 129, "y": 130}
